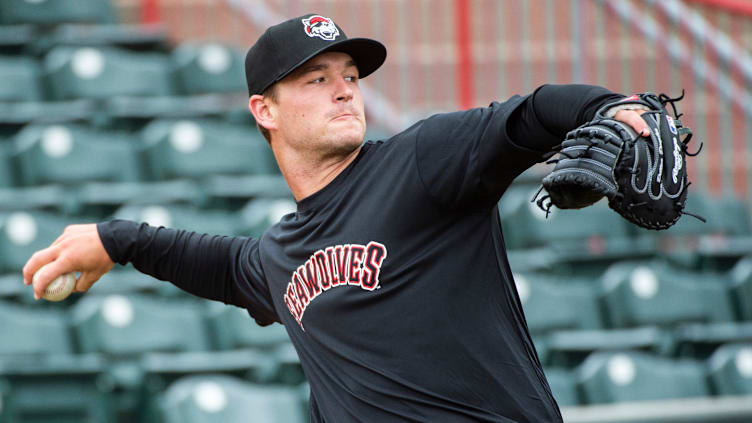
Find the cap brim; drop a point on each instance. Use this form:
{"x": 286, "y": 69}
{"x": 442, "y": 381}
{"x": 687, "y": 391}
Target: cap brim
{"x": 368, "y": 55}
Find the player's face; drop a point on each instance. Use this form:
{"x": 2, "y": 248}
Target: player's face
{"x": 320, "y": 106}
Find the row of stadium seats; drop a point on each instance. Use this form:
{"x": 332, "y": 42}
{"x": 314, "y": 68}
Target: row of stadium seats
{"x": 141, "y": 338}
{"x": 102, "y": 72}
{"x": 636, "y": 293}
{"x": 56, "y": 12}
{"x": 635, "y": 307}
{"x": 165, "y": 149}
{"x": 129, "y": 347}
{"x": 589, "y": 239}
{"x": 629, "y": 376}
{"x": 608, "y": 377}
{"x": 200, "y": 398}
{"x": 127, "y": 324}
{"x": 107, "y": 82}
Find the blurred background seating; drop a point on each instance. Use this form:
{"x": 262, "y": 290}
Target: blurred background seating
{"x": 138, "y": 110}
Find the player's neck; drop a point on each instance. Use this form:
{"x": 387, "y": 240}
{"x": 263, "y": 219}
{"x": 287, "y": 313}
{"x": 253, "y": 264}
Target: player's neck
{"x": 306, "y": 174}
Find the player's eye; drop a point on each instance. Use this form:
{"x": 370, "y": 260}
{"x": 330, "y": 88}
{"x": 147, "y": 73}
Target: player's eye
{"x": 351, "y": 78}
{"x": 317, "y": 80}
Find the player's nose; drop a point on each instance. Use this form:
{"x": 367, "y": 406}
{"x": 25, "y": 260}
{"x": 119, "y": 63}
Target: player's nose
{"x": 343, "y": 90}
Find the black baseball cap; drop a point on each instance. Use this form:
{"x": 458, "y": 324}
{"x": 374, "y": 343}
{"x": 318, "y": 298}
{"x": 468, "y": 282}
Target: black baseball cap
{"x": 284, "y": 47}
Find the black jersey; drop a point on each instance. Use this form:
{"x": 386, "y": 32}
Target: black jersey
{"x": 392, "y": 281}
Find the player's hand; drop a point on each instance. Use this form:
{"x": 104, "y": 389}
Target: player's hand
{"x": 633, "y": 119}
{"x": 78, "y": 249}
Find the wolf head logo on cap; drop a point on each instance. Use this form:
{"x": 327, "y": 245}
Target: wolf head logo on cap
{"x": 320, "y": 26}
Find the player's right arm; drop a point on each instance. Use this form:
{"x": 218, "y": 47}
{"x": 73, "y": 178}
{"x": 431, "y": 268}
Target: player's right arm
{"x": 220, "y": 268}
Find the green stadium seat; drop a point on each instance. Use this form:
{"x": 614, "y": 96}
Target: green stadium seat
{"x": 589, "y": 239}
{"x": 740, "y": 279}
{"x": 721, "y": 248}
{"x": 214, "y": 222}
{"x": 161, "y": 370}
{"x": 716, "y": 244}
{"x": 19, "y": 114}
{"x": 6, "y": 171}
{"x": 569, "y": 348}
{"x": 651, "y": 293}
{"x": 21, "y": 79}
{"x": 202, "y": 68}
{"x": 232, "y": 328}
{"x": 56, "y": 12}
{"x": 36, "y": 361}
{"x": 22, "y": 94}
{"x": 31, "y": 333}
{"x": 627, "y": 376}
{"x": 138, "y": 111}
{"x": 698, "y": 203}
{"x": 125, "y": 280}
{"x": 73, "y": 154}
{"x": 730, "y": 369}
{"x": 201, "y": 148}
{"x": 536, "y": 260}
{"x": 525, "y": 225}
{"x": 240, "y": 116}
{"x": 12, "y": 288}
{"x": 213, "y": 398}
{"x": 51, "y": 198}
{"x": 74, "y": 388}
{"x": 552, "y": 302}
{"x": 260, "y": 214}
{"x": 701, "y": 340}
{"x": 108, "y": 196}
{"x": 236, "y": 192}
{"x": 150, "y": 340}
{"x": 22, "y": 233}
{"x": 563, "y": 386}
{"x": 138, "y": 37}
{"x": 14, "y": 39}
{"x": 105, "y": 72}
{"x": 725, "y": 216}
{"x": 124, "y": 326}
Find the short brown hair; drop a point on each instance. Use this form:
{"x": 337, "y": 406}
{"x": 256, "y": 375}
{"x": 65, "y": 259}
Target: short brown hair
{"x": 271, "y": 94}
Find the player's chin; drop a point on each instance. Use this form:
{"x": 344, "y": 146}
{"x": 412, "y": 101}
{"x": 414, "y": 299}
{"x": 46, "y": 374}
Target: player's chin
{"x": 348, "y": 132}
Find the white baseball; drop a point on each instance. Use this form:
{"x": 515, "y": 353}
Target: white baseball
{"x": 60, "y": 288}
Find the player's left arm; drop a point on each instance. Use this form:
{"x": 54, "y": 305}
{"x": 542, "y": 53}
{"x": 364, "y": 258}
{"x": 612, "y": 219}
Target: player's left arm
{"x": 543, "y": 120}
{"x": 471, "y": 156}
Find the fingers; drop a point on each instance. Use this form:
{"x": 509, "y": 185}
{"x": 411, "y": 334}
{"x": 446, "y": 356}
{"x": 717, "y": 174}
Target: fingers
{"x": 633, "y": 119}
{"x": 48, "y": 274}
{"x": 36, "y": 261}
{"x": 86, "y": 280}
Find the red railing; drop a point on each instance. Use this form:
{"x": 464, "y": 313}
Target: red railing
{"x": 453, "y": 54}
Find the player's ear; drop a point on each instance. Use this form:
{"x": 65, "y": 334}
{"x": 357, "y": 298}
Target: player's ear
{"x": 262, "y": 111}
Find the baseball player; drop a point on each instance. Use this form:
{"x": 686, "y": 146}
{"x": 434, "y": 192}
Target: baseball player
{"x": 391, "y": 278}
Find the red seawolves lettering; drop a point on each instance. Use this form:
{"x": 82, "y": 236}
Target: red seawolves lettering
{"x": 340, "y": 265}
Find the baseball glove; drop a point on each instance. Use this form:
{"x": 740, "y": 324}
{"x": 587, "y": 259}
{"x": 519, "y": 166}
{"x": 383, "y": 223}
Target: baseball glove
{"x": 643, "y": 177}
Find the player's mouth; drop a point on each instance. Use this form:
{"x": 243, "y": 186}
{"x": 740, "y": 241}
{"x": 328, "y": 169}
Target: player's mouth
{"x": 344, "y": 116}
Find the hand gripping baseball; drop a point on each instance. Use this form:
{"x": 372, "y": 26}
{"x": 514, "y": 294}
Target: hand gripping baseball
{"x": 78, "y": 249}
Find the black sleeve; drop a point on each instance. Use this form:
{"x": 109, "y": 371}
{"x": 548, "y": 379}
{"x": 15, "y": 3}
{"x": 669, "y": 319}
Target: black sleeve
{"x": 471, "y": 157}
{"x": 544, "y": 119}
{"x": 221, "y": 268}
